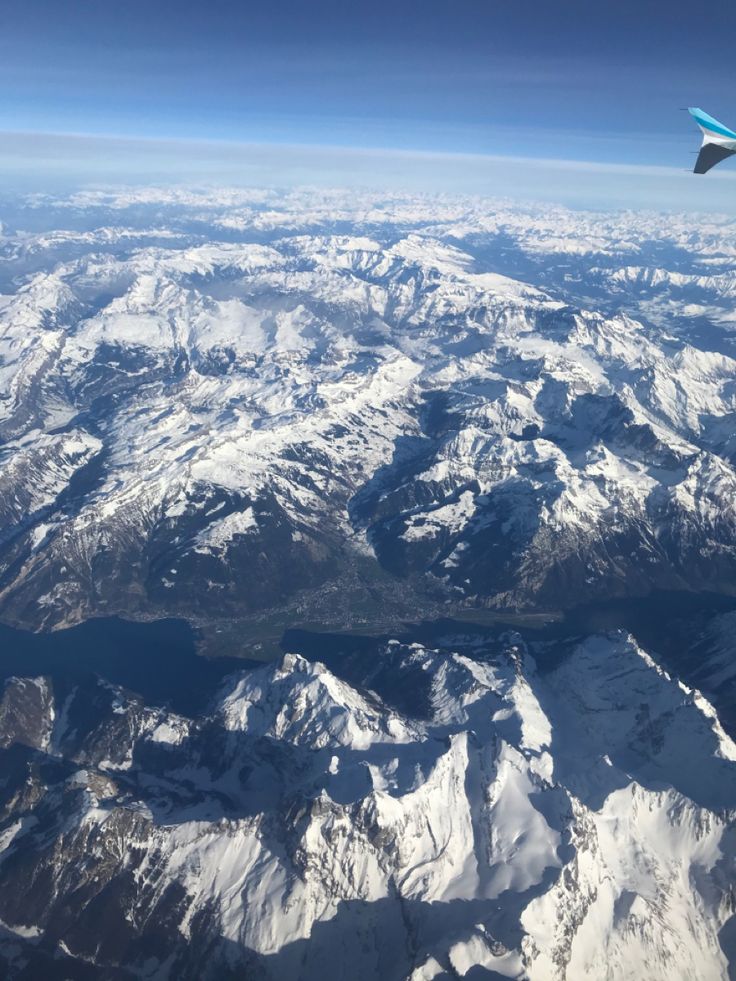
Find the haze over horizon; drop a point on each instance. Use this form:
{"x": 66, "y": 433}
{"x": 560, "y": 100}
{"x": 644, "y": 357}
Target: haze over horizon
{"x": 538, "y": 84}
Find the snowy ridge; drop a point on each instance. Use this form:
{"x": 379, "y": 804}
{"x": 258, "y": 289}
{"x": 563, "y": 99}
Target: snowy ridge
{"x": 263, "y": 410}
{"x": 544, "y": 826}
{"x": 354, "y": 390}
{"x": 291, "y": 701}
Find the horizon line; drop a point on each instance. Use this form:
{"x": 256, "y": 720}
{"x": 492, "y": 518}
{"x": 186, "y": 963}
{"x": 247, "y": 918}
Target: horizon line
{"x": 560, "y": 163}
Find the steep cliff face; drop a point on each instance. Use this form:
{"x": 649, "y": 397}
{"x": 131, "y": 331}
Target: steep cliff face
{"x": 566, "y": 824}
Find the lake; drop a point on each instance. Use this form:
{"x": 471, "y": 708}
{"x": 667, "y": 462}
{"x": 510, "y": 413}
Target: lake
{"x": 156, "y": 659}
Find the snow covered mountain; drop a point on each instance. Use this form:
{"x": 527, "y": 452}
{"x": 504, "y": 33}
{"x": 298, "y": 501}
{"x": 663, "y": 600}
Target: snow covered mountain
{"x": 346, "y": 411}
{"x": 400, "y": 417}
{"x": 526, "y": 823}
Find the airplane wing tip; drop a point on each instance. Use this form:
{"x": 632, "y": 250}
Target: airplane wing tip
{"x": 710, "y": 155}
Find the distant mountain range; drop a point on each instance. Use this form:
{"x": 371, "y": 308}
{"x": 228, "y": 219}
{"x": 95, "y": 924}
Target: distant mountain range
{"x": 360, "y": 424}
{"x": 257, "y": 411}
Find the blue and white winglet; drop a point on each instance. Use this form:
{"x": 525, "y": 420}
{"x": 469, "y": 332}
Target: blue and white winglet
{"x": 719, "y": 141}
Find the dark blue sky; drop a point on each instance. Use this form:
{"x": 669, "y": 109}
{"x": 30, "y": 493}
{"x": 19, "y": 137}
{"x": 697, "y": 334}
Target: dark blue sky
{"x": 587, "y": 81}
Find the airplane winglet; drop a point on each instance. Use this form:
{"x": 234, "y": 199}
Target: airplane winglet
{"x": 719, "y": 141}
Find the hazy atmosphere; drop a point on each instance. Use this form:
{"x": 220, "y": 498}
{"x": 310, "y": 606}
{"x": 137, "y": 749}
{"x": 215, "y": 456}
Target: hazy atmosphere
{"x": 548, "y": 92}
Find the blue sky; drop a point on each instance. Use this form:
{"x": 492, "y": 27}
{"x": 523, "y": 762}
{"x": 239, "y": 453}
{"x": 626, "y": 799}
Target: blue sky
{"x": 595, "y": 82}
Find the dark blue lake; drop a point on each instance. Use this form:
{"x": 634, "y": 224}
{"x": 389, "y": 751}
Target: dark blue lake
{"x": 158, "y": 660}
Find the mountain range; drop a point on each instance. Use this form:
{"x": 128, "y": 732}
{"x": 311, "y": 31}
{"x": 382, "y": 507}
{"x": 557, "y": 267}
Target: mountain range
{"x": 481, "y": 437}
